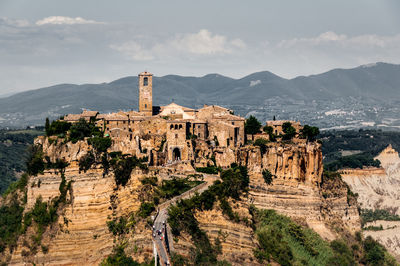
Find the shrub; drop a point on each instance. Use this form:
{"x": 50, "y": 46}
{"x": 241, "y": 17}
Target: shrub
{"x": 56, "y": 127}
{"x": 289, "y": 131}
{"x": 267, "y": 176}
{"x": 262, "y": 143}
{"x": 100, "y": 144}
{"x": 270, "y": 131}
{"x": 118, "y": 226}
{"x": 310, "y": 133}
{"x": 146, "y": 208}
{"x": 212, "y": 170}
{"x": 119, "y": 258}
{"x": 10, "y": 224}
{"x": 81, "y": 129}
{"x": 35, "y": 162}
{"x": 86, "y": 161}
{"x": 123, "y": 167}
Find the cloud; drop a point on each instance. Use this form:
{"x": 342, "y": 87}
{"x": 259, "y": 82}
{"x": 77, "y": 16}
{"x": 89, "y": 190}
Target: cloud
{"x": 333, "y": 39}
{"x": 202, "y": 43}
{"x": 134, "y": 51}
{"x": 60, "y": 20}
{"x": 14, "y": 22}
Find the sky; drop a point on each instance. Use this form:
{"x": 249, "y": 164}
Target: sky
{"x": 48, "y": 42}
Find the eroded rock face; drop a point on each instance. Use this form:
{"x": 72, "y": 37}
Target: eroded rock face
{"x": 296, "y": 189}
{"x": 378, "y": 188}
{"x": 81, "y": 235}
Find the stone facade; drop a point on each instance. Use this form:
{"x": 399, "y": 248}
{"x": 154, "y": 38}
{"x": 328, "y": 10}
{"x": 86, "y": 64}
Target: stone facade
{"x": 172, "y": 133}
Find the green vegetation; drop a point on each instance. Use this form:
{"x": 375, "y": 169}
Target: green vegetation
{"x": 81, "y": 129}
{"x": 146, "y": 208}
{"x": 252, "y": 125}
{"x": 309, "y": 133}
{"x": 287, "y": 243}
{"x": 121, "y": 225}
{"x": 119, "y": 258}
{"x": 35, "y": 164}
{"x": 270, "y": 131}
{"x": 176, "y": 186}
{"x": 367, "y": 143}
{"x": 212, "y": 170}
{"x": 368, "y": 215}
{"x": 99, "y": 143}
{"x": 13, "y": 154}
{"x": 123, "y": 166}
{"x": 352, "y": 161}
{"x": 86, "y": 161}
{"x": 57, "y": 128}
{"x": 181, "y": 216}
{"x": 262, "y": 143}
{"x": 10, "y": 224}
{"x": 289, "y": 130}
{"x": 267, "y": 176}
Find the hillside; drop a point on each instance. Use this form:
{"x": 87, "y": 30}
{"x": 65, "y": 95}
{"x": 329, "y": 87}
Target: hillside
{"x": 81, "y": 204}
{"x": 362, "y": 96}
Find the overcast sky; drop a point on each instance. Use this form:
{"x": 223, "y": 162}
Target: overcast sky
{"x": 47, "y": 42}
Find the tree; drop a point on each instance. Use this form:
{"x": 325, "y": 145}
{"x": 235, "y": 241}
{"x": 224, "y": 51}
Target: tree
{"x": 267, "y": 176}
{"x": 47, "y": 126}
{"x": 310, "y": 133}
{"x": 270, "y": 131}
{"x": 289, "y": 131}
{"x": 252, "y": 125}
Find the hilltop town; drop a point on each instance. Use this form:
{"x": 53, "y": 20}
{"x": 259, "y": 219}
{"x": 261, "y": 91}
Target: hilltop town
{"x": 173, "y": 133}
{"x": 179, "y": 186}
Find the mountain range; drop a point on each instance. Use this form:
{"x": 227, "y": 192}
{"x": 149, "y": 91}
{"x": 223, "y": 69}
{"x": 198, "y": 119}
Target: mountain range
{"x": 371, "y": 85}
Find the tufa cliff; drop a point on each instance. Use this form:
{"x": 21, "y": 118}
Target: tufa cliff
{"x": 81, "y": 233}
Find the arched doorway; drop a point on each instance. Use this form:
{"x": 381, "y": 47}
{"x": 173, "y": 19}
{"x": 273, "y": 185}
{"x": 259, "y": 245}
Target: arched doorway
{"x": 176, "y": 154}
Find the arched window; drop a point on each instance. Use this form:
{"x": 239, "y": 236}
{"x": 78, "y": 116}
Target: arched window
{"x": 180, "y": 126}
{"x": 171, "y": 127}
{"x": 176, "y": 126}
{"x": 145, "y": 81}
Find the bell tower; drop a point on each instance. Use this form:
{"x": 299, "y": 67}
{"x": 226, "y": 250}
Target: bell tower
{"x": 146, "y": 93}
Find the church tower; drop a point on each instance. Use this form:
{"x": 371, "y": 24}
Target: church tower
{"x": 146, "y": 93}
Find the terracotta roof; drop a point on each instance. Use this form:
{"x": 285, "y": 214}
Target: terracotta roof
{"x": 113, "y": 117}
{"x": 229, "y": 117}
{"x": 87, "y": 113}
{"x": 280, "y": 122}
{"x": 72, "y": 117}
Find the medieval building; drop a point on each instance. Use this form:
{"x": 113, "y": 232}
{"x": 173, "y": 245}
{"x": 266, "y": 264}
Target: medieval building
{"x": 170, "y": 133}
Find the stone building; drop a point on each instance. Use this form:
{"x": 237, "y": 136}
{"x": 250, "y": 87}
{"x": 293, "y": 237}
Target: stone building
{"x": 170, "y": 133}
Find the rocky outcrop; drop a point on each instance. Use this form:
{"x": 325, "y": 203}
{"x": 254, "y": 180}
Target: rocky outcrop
{"x": 378, "y": 188}
{"x": 296, "y": 188}
{"x": 80, "y": 235}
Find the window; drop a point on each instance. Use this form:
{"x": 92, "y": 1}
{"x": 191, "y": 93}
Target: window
{"x": 176, "y": 136}
{"x": 176, "y": 126}
{"x": 198, "y": 126}
{"x": 145, "y": 81}
{"x": 171, "y": 127}
{"x": 145, "y": 106}
{"x": 199, "y": 135}
{"x": 180, "y": 126}
{"x": 233, "y": 123}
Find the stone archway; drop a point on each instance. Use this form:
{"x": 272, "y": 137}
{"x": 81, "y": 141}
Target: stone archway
{"x": 176, "y": 154}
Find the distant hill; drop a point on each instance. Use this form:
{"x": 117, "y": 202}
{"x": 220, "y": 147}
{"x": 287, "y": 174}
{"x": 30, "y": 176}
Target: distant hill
{"x": 376, "y": 83}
